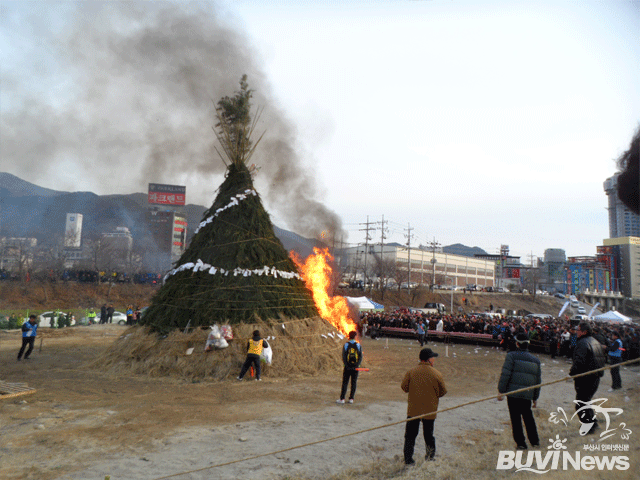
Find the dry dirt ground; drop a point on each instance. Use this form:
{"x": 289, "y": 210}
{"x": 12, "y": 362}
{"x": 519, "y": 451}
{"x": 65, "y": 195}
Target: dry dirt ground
{"x": 85, "y": 423}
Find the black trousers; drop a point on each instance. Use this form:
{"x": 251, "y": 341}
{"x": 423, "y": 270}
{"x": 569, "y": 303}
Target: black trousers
{"x": 520, "y": 411}
{"x": 616, "y": 381}
{"x": 411, "y": 432}
{"x": 586, "y": 388}
{"x": 349, "y": 374}
{"x": 26, "y": 341}
{"x": 254, "y": 360}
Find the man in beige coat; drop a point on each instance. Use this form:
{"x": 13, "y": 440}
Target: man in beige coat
{"x": 425, "y": 386}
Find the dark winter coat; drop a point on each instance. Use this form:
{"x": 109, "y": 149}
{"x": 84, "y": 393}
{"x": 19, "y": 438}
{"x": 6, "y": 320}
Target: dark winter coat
{"x": 520, "y": 370}
{"x": 589, "y": 354}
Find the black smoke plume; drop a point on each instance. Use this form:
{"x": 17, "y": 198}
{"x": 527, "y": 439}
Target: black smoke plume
{"x": 123, "y": 94}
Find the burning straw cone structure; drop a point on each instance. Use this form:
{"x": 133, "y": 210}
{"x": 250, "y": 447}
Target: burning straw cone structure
{"x": 235, "y": 271}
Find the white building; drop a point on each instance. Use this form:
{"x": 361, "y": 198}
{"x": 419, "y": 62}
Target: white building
{"x": 73, "y": 231}
{"x": 415, "y": 266}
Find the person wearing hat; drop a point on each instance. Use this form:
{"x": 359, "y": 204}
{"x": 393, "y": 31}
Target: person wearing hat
{"x": 521, "y": 370}
{"x": 425, "y": 386}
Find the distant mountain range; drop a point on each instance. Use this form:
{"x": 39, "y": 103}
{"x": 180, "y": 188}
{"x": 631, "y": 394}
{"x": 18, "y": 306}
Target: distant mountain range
{"x": 27, "y": 210}
{"x": 463, "y": 250}
{"x": 455, "y": 249}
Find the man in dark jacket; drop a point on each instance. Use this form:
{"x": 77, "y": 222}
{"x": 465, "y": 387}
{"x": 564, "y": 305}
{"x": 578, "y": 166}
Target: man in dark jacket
{"x": 521, "y": 370}
{"x": 351, "y": 358}
{"x": 588, "y": 355}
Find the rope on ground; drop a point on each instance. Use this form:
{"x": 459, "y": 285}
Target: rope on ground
{"x": 386, "y": 425}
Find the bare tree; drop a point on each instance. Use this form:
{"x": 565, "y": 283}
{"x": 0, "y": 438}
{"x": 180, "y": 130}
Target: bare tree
{"x": 531, "y": 279}
{"x": 384, "y": 269}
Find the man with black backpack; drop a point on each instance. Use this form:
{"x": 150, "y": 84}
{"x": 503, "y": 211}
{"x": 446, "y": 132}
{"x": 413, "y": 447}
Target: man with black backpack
{"x": 351, "y": 358}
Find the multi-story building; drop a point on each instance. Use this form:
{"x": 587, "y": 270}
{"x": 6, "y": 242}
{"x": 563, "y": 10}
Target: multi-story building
{"x": 588, "y": 274}
{"x": 508, "y": 268}
{"x": 73, "y": 231}
{"x": 622, "y": 221}
{"x": 553, "y": 275}
{"x": 72, "y": 242}
{"x": 168, "y": 231}
{"x": 415, "y": 266}
{"x": 622, "y": 249}
{"x": 624, "y": 254}
{"x": 115, "y": 249}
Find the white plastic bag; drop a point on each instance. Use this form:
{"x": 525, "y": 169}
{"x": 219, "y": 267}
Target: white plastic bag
{"x": 266, "y": 355}
{"x": 215, "y": 340}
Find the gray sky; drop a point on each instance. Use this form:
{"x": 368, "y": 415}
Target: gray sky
{"x": 482, "y": 123}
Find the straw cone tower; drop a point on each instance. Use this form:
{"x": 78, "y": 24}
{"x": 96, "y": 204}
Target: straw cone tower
{"x": 235, "y": 270}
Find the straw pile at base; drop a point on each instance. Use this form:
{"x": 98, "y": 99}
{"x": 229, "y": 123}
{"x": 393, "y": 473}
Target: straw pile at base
{"x": 300, "y": 347}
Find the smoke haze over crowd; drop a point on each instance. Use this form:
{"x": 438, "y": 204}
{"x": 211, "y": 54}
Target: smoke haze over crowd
{"x": 122, "y": 94}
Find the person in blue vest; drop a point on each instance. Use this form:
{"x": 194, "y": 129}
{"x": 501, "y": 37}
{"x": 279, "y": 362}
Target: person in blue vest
{"x": 255, "y": 345}
{"x": 29, "y": 329}
{"x": 421, "y": 332}
{"x": 615, "y": 351}
{"x": 351, "y": 358}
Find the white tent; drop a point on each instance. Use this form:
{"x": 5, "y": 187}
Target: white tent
{"x": 364, "y": 303}
{"x": 612, "y": 316}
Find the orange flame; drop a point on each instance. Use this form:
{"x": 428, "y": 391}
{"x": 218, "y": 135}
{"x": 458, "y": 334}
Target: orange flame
{"x": 317, "y": 273}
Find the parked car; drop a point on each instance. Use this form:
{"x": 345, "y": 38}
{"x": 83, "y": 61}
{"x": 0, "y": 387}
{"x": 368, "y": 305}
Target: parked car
{"x": 45, "y": 318}
{"x": 541, "y": 316}
{"x": 118, "y": 317}
{"x": 559, "y": 295}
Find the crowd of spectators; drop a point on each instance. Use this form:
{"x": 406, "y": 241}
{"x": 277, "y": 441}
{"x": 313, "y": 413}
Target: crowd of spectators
{"x": 556, "y": 336}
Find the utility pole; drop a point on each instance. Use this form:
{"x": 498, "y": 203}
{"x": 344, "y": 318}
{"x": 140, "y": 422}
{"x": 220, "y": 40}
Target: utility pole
{"x": 434, "y": 245}
{"x": 382, "y": 238}
{"x": 367, "y": 237}
{"x": 533, "y": 275}
{"x": 408, "y": 235}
